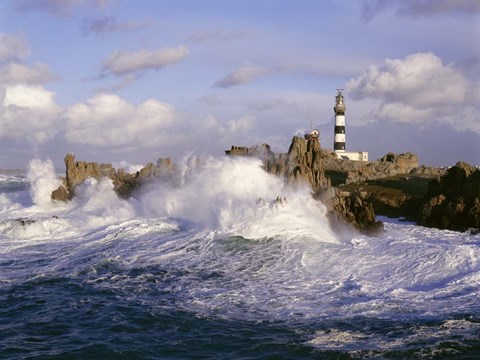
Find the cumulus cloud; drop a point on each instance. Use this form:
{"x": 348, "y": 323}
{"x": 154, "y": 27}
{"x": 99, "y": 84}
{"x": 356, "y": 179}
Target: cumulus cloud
{"x": 419, "y": 88}
{"x": 244, "y": 75}
{"x": 370, "y": 8}
{"x": 106, "y": 24}
{"x": 124, "y": 62}
{"x": 110, "y": 122}
{"x": 419, "y": 78}
{"x": 111, "y": 125}
{"x": 12, "y": 47}
{"x": 16, "y": 72}
{"x": 107, "y": 120}
{"x": 13, "y": 70}
{"x": 28, "y": 113}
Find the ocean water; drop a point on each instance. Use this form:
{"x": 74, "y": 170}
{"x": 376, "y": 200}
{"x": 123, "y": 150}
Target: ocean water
{"x": 210, "y": 265}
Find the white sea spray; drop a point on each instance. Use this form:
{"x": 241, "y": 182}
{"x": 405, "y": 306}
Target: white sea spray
{"x": 237, "y": 196}
{"x": 43, "y": 180}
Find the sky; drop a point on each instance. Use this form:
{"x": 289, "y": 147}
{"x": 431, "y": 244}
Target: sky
{"x": 132, "y": 81}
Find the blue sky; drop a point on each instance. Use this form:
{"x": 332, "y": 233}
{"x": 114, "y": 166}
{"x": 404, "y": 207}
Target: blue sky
{"x": 118, "y": 80}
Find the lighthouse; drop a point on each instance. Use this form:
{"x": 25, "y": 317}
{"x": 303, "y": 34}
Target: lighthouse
{"x": 339, "y": 140}
{"x": 339, "y": 146}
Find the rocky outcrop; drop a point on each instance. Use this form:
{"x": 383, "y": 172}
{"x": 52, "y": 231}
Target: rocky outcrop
{"x": 353, "y": 209}
{"x": 429, "y": 171}
{"x": 302, "y": 165}
{"x": 76, "y": 173}
{"x": 124, "y": 183}
{"x": 453, "y": 200}
{"x": 389, "y": 165}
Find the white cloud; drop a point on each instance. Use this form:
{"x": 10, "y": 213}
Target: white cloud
{"x": 114, "y": 125}
{"x": 15, "y": 72}
{"x": 419, "y": 79}
{"x": 419, "y": 88}
{"x": 108, "y": 120}
{"x": 244, "y": 75}
{"x": 241, "y": 125}
{"x": 12, "y": 47}
{"x": 28, "y": 113}
{"x": 28, "y": 97}
{"x": 124, "y": 62}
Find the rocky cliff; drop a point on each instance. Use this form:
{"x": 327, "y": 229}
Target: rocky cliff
{"x": 124, "y": 183}
{"x": 453, "y": 200}
{"x": 304, "y": 164}
{"x": 354, "y": 209}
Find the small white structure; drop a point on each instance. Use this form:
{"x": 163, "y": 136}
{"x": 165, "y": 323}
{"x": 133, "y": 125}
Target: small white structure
{"x": 339, "y": 143}
{"x": 314, "y": 134}
{"x": 352, "y": 155}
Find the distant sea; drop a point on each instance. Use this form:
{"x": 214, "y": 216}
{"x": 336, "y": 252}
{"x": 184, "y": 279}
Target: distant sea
{"x": 210, "y": 266}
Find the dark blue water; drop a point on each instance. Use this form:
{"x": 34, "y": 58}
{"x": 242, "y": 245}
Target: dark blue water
{"x": 68, "y": 318}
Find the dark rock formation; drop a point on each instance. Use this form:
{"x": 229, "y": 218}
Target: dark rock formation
{"x": 124, "y": 183}
{"x": 76, "y": 172}
{"x": 352, "y": 209}
{"x": 399, "y": 196}
{"x": 453, "y": 201}
{"x": 304, "y": 164}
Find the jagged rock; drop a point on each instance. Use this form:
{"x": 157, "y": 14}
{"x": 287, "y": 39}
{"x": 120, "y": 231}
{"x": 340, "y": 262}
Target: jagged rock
{"x": 429, "y": 171}
{"x": 60, "y": 194}
{"x": 124, "y": 183}
{"x": 353, "y": 209}
{"x": 389, "y": 165}
{"x": 453, "y": 201}
{"x": 304, "y": 165}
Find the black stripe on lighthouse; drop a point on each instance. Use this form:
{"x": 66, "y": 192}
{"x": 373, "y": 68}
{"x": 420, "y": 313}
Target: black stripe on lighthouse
{"x": 339, "y": 146}
{"x": 339, "y": 129}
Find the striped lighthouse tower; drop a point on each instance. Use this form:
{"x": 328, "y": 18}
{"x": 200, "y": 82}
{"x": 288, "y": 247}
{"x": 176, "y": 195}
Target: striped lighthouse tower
{"x": 339, "y": 140}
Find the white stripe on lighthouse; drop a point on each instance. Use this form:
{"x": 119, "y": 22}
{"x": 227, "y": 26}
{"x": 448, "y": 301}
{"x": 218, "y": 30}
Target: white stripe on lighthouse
{"x": 340, "y": 138}
{"x": 340, "y": 120}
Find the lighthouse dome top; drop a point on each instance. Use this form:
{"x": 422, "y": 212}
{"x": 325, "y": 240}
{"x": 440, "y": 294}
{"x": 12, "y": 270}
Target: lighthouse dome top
{"x": 339, "y": 97}
{"x": 339, "y": 103}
